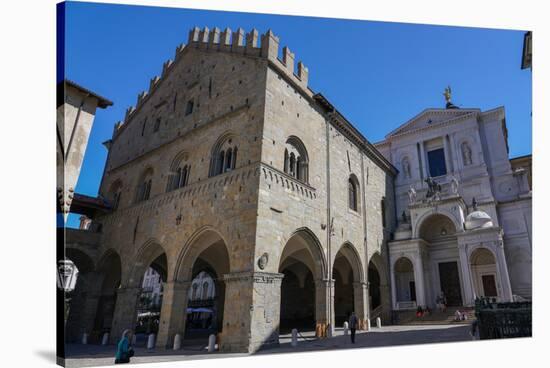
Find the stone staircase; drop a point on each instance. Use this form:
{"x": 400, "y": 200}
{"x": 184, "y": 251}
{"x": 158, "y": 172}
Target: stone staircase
{"x": 435, "y": 317}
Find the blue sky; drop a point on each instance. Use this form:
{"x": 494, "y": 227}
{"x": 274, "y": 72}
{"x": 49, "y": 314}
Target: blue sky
{"x": 377, "y": 74}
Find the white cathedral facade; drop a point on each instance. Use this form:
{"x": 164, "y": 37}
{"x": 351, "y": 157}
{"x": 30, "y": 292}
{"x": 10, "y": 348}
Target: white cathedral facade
{"x": 464, "y": 214}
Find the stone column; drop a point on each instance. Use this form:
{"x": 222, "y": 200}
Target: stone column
{"x": 361, "y": 303}
{"x": 125, "y": 311}
{"x": 419, "y": 280}
{"x": 455, "y": 151}
{"x": 84, "y": 305}
{"x": 469, "y": 292}
{"x": 173, "y": 312}
{"x": 448, "y": 155}
{"x": 502, "y": 269}
{"x": 386, "y": 303}
{"x": 238, "y": 309}
{"x": 324, "y": 307}
{"x": 251, "y": 311}
{"x": 424, "y": 160}
{"x": 393, "y": 285}
{"x": 266, "y": 304}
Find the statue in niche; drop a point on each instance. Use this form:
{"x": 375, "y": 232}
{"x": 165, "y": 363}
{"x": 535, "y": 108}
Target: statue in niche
{"x": 454, "y": 185}
{"x": 406, "y": 167}
{"x": 404, "y": 217}
{"x": 412, "y": 195}
{"x": 466, "y": 154}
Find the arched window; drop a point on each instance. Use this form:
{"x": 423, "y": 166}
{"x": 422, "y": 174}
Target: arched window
{"x": 195, "y": 290}
{"x": 179, "y": 172}
{"x": 292, "y": 168}
{"x": 224, "y": 155}
{"x": 156, "y": 126}
{"x": 406, "y": 166}
{"x": 353, "y": 193}
{"x": 221, "y": 160}
{"x": 115, "y": 193}
{"x": 205, "y": 290}
{"x": 296, "y": 162}
{"x": 228, "y": 162}
{"x": 286, "y": 161}
{"x": 143, "y": 191}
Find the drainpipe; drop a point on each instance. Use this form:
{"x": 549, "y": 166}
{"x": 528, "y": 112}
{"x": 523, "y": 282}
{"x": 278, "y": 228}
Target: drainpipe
{"x": 364, "y": 213}
{"x": 388, "y": 260}
{"x": 329, "y": 228}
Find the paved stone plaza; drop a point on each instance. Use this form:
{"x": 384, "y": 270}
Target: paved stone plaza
{"x": 95, "y": 355}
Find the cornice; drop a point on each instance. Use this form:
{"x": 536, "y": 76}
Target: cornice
{"x": 436, "y": 125}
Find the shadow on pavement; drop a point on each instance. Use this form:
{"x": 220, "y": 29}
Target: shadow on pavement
{"x": 47, "y": 355}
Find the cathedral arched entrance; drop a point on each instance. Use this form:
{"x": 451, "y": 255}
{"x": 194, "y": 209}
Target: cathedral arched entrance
{"x": 405, "y": 284}
{"x": 440, "y": 259}
{"x": 303, "y": 266}
{"x": 484, "y": 273}
{"x": 348, "y": 281}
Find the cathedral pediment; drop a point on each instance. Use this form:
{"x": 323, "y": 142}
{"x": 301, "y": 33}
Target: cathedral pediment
{"x": 430, "y": 117}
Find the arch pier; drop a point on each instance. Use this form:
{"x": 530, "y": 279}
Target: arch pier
{"x": 128, "y": 294}
{"x": 306, "y": 293}
{"x": 350, "y": 288}
{"x": 379, "y": 293}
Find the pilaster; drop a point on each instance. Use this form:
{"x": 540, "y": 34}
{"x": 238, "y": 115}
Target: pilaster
{"x": 361, "y": 303}
{"x": 502, "y": 268}
{"x": 251, "y": 311}
{"x": 84, "y": 305}
{"x": 324, "y": 307}
{"x": 173, "y": 312}
{"x": 125, "y": 313}
{"x": 469, "y": 293}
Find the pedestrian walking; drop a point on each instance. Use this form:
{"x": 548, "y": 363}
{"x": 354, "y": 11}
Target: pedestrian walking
{"x": 353, "y": 326}
{"x": 474, "y": 329}
{"x": 124, "y": 351}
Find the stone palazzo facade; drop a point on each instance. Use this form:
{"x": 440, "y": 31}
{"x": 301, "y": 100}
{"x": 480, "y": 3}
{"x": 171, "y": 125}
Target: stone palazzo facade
{"x": 230, "y": 164}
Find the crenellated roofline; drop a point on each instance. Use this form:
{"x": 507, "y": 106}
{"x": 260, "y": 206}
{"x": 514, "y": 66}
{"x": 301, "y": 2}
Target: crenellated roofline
{"x": 265, "y": 46}
{"x": 238, "y": 43}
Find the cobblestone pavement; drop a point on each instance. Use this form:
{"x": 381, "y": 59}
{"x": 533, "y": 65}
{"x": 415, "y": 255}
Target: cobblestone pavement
{"x": 94, "y": 355}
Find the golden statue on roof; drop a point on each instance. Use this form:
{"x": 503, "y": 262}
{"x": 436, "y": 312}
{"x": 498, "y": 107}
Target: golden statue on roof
{"x": 447, "y": 94}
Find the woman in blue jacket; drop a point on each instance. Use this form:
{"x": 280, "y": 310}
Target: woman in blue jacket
{"x": 124, "y": 351}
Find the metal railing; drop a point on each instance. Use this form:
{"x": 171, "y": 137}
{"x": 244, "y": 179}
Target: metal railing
{"x": 503, "y": 320}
